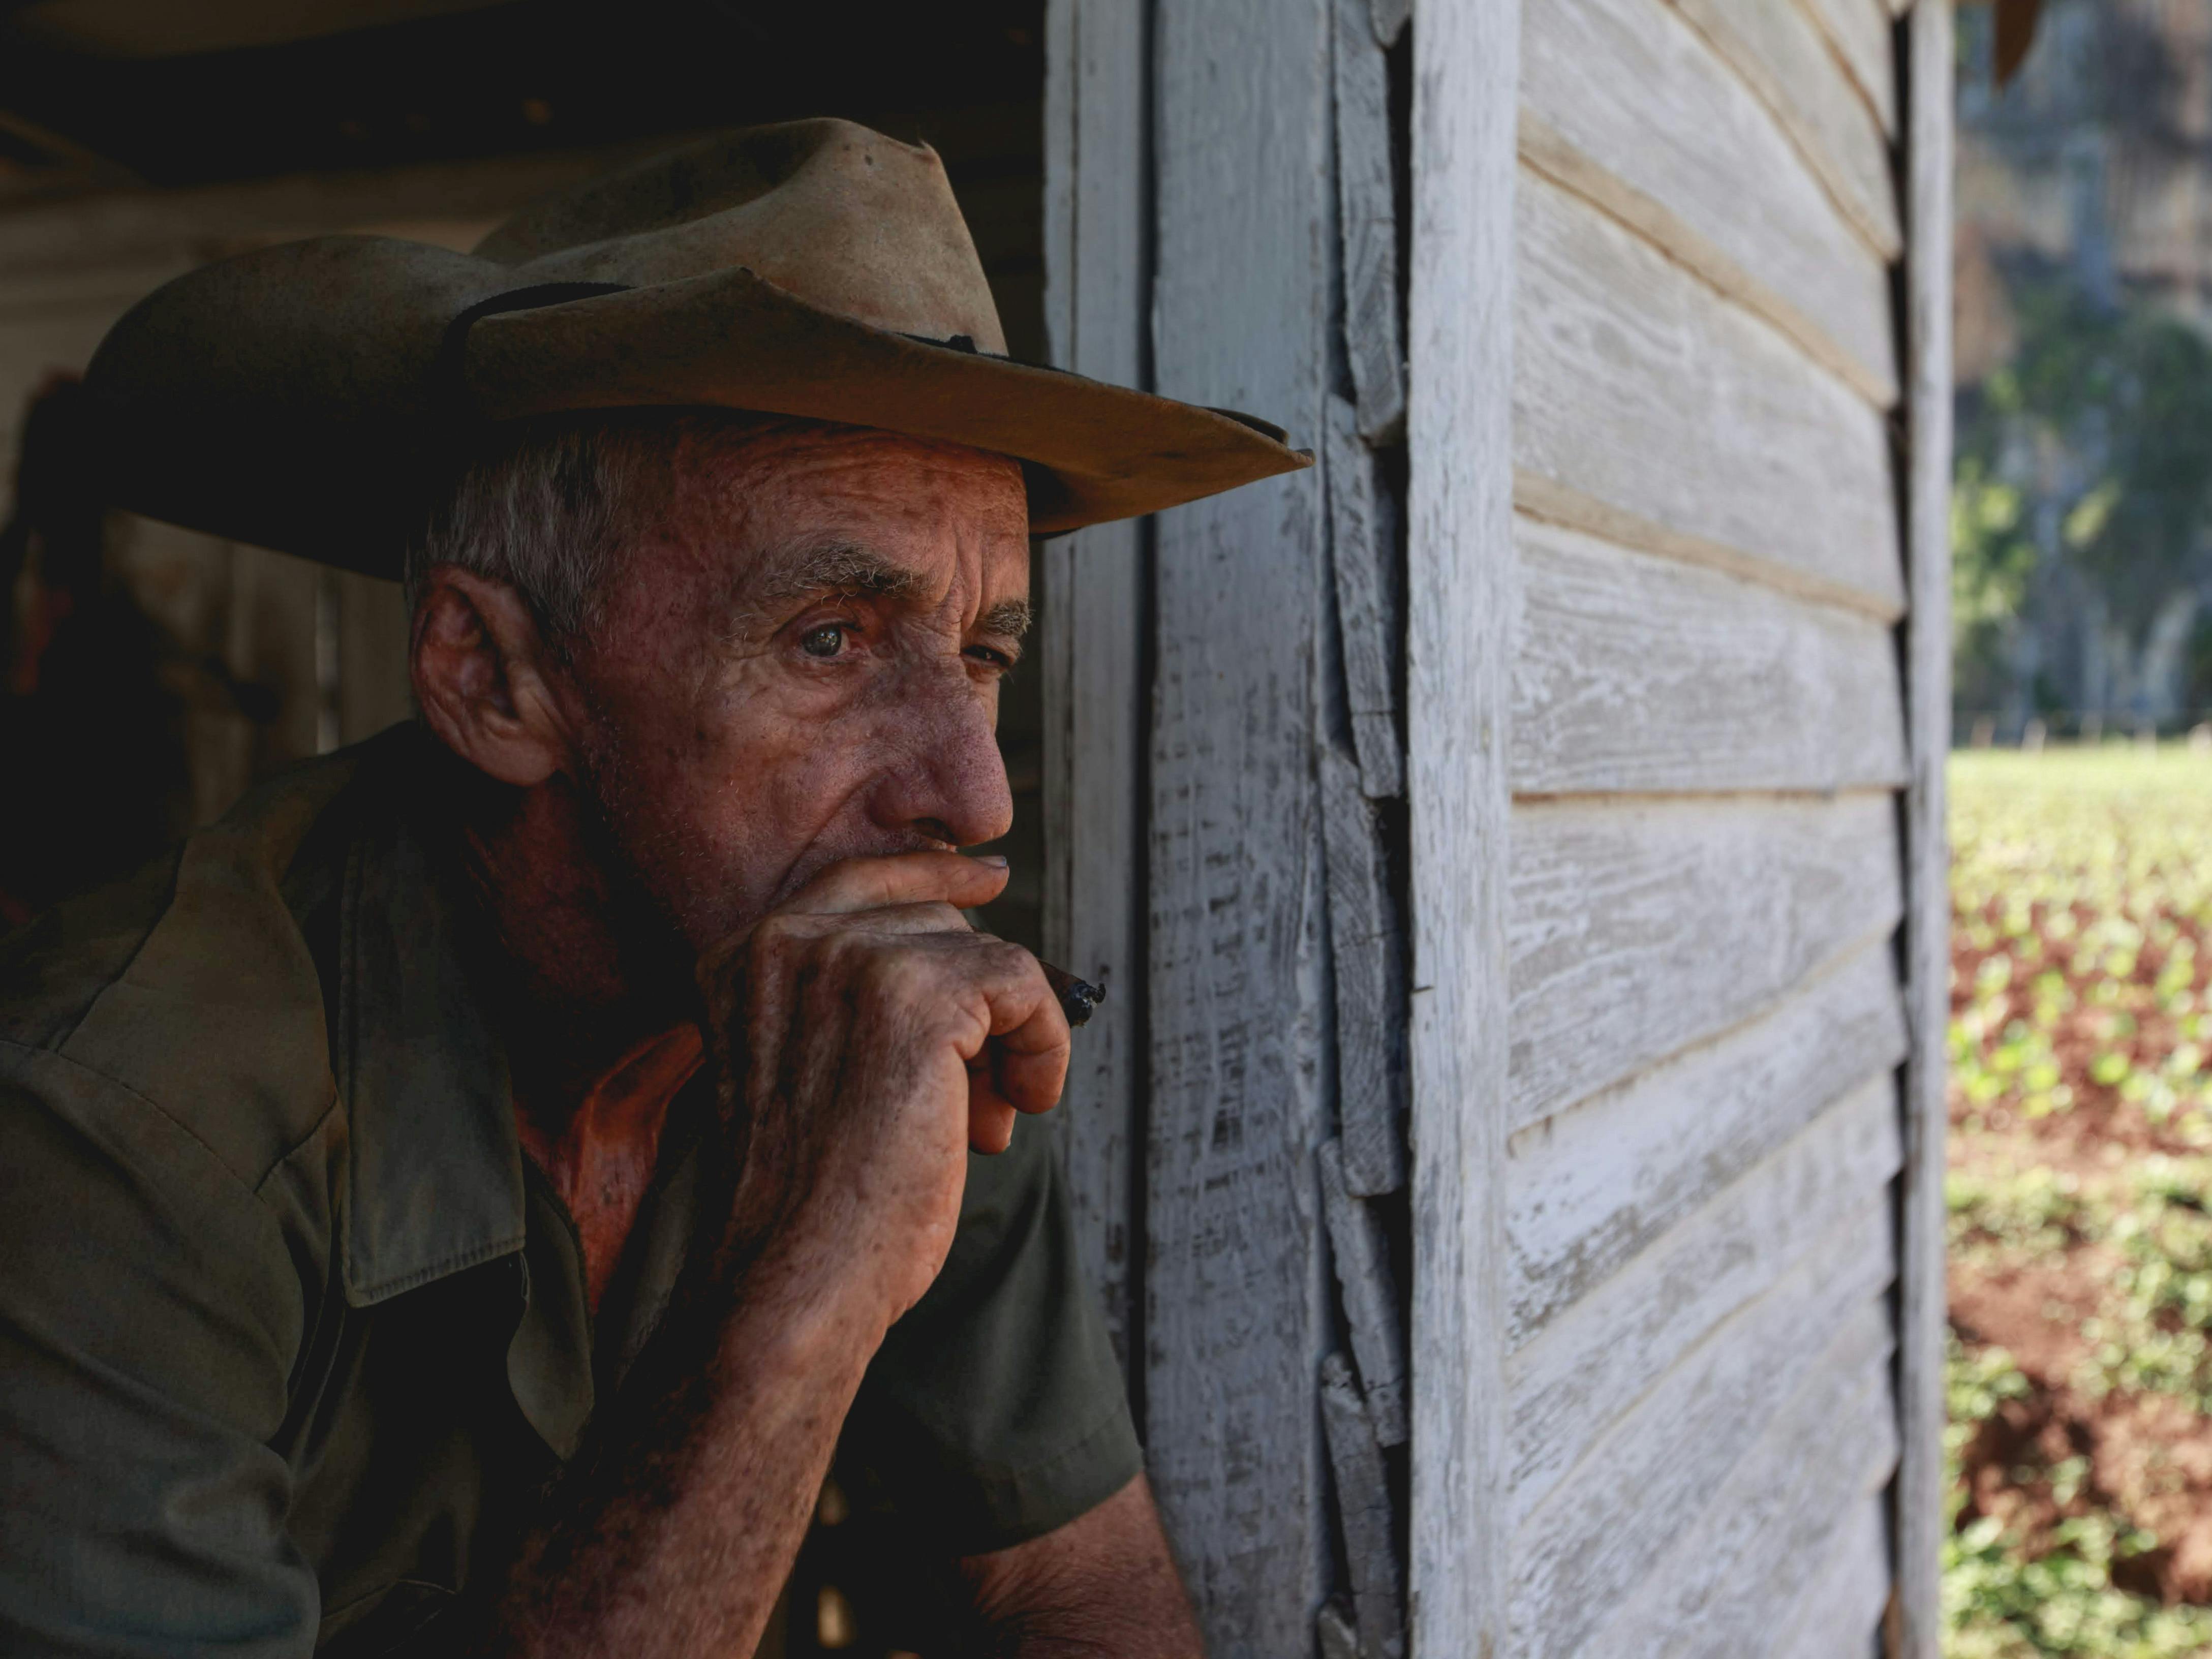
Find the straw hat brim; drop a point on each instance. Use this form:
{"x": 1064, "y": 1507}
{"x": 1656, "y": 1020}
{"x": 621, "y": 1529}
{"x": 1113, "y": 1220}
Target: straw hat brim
{"x": 297, "y": 398}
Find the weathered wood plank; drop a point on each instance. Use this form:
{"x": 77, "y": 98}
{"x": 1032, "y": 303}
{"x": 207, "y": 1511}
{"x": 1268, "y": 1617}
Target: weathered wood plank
{"x": 1363, "y": 1507}
{"x": 1820, "y": 1194}
{"x": 1641, "y": 927}
{"x": 1235, "y": 1303}
{"x": 1389, "y": 18}
{"x": 1335, "y": 1633}
{"x": 1596, "y": 1538}
{"x": 1368, "y": 612}
{"x": 1364, "y": 946}
{"x": 1095, "y": 600}
{"x": 1927, "y": 948}
{"x": 1740, "y": 1568}
{"x": 1626, "y": 103}
{"x": 1640, "y": 389}
{"x": 1371, "y": 1297}
{"x": 1775, "y": 45}
{"x": 1859, "y": 33}
{"x": 1840, "y": 1615}
{"x": 1461, "y": 566}
{"x": 1367, "y": 225}
{"x": 1641, "y": 673}
{"x": 1593, "y": 1186}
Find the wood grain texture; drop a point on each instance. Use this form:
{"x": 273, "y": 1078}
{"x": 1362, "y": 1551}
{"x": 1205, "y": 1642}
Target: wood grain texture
{"x": 1581, "y": 1553}
{"x": 1367, "y": 225}
{"x": 1859, "y": 33}
{"x": 1371, "y": 1297}
{"x": 1776, "y": 48}
{"x": 1927, "y": 944}
{"x": 1641, "y": 927}
{"x": 1094, "y": 606}
{"x": 1461, "y": 573}
{"x": 1820, "y": 1195}
{"x": 1236, "y": 1304}
{"x": 1335, "y": 1634}
{"x": 1840, "y": 1613}
{"x": 1638, "y": 386}
{"x": 1389, "y": 18}
{"x": 1626, "y": 103}
{"x": 1753, "y": 1551}
{"x": 1370, "y": 617}
{"x": 1592, "y": 1187}
{"x": 1365, "y": 943}
{"x": 1642, "y": 674}
{"x": 1363, "y": 1507}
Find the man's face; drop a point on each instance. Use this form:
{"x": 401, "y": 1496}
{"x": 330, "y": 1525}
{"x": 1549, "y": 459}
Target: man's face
{"x": 801, "y": 664}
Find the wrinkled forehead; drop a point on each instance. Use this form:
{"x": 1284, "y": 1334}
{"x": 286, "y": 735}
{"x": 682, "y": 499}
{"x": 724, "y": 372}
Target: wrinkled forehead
{"x": 780, "y": 505}
{"x": 762, "y": 466}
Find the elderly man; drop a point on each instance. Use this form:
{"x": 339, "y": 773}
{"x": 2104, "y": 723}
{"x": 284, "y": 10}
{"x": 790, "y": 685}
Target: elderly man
{"x": 458, "y": 1201}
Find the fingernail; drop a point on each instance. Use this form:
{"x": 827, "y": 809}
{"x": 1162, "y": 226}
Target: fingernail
{"x": 996, "y": 860}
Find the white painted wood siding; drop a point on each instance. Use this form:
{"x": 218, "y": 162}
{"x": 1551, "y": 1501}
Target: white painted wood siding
{"x": 1707, "y": 748}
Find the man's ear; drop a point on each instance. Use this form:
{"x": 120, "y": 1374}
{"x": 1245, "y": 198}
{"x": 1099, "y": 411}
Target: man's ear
{"x": 482, "y": 674}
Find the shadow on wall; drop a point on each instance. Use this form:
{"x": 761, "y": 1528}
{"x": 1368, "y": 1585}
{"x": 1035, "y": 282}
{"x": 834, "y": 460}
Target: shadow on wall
{"x": 133, "y": 703}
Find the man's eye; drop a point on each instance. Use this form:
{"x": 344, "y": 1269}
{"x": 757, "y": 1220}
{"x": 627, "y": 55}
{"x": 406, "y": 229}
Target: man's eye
{"x": 828, "y": 641}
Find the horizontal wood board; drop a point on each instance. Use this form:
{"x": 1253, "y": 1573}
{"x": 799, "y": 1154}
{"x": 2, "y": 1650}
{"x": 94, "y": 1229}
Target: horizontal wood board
{"x": 1591, "y": 1188}
{"x": 1640, "y": 926}
{"x": 1624, "y": 101}
{"x": 1637, "y": 673}
{"x": 1861, "y": 33}
{"x": 1816, "y": 1197}
{"x": 1638, "y": 388}
{"x": 1839, "y": 1615}
{"x": 1594, "y": 1540}
{"x": 1776, "y": 46}
{"x": 1756, "y": 1546}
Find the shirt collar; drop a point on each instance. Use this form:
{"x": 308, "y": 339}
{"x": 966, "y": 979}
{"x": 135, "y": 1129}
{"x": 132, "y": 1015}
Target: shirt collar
{"x": 434, "y": 1182}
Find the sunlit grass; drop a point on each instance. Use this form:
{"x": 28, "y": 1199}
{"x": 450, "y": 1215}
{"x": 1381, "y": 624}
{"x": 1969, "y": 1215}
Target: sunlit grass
{"x": 2081, "y": 1097}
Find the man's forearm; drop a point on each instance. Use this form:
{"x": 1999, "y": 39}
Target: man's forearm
{"x": 673, "y": 1537}
{"x": 1104, "y": 1585}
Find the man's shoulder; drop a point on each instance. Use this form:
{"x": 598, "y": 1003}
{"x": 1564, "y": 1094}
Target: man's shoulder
{"x": 190, "y": 990}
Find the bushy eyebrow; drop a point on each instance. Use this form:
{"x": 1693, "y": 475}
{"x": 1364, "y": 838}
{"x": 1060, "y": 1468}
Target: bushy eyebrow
{"x": 835, "y": 568}
{"x": 1009, "y": 619}
{"x": 762, "y": 597}
{"x": 847, "y": 567}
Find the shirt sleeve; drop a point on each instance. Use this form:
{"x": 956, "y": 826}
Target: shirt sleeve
{"x": 996, "y": 1411}
{"x": 148, "y": 1312}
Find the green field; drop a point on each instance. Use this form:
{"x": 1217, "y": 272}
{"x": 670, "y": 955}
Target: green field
{"x": 2081, "y": 1382}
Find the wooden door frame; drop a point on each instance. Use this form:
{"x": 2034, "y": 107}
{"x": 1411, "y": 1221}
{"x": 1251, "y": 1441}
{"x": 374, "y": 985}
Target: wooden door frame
{"x": 1916, "y": 1631}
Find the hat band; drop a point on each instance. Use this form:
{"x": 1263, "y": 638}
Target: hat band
{"x": 449, "y": 389}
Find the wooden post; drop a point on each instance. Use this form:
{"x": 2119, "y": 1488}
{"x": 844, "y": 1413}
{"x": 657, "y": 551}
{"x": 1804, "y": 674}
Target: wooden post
{"x": 1095, "y": 613}
{"x": 1459, "y": 579}
{"x": 1919, "y": 1491}
{"x": 1236, "y": 1301}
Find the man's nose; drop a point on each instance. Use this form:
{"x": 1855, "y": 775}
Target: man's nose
{"x": 947, "y": 779}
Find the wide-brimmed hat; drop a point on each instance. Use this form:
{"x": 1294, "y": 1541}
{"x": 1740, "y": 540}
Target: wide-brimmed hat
{"x": 301, "y": 396}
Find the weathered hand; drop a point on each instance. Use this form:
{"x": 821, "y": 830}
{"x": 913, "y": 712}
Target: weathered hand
{"x": 867, "y": 1038}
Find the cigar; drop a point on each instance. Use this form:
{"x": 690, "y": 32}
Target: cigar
{"x": 1077, "y": 997}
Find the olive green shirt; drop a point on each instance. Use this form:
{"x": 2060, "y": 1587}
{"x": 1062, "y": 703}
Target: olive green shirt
{"x": 292, "y": 1335}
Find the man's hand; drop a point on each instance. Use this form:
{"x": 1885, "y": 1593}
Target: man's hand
{"x": 867, "y": 1038}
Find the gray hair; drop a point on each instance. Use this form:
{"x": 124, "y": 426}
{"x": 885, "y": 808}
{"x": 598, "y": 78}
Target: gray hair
{"x": 549, "y": 507}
